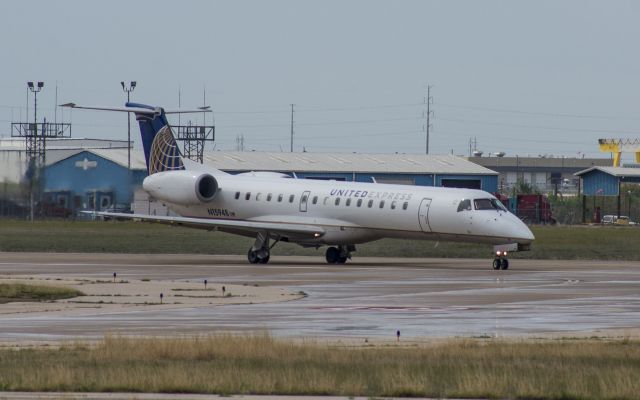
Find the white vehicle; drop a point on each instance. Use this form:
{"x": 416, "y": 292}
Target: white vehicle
{"x": 272, "y": 207}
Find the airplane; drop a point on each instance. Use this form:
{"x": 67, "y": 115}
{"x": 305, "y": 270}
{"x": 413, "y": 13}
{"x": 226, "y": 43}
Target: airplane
{"x": 273, "y": 207}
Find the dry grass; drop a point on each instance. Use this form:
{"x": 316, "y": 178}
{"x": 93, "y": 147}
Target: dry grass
{"x": 586, "y": 369}
{"x": 11, "y": 292}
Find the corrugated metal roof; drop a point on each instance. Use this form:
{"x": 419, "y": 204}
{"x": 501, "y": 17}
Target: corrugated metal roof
{"x": 312, "y": 162}
{"x": 614, "y": 171}
{"x": 540, "y": 162}
{"x": 344, "y": 162}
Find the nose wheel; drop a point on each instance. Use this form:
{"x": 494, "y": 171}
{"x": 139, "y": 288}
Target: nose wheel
{"x": 501, "y": 261}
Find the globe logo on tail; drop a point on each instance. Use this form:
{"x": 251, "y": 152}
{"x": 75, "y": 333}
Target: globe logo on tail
{"x": 164, "y": 155}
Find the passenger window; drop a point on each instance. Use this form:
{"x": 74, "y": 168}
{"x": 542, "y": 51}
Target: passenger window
{"x": 258, "y": 196}
{"x": 325, "y": 201}
{"x": 291, "y": 198}
{"x": 359, "y": 203}
{"x": 237, "y": 195}
{"x": 370, "y": 204}
{"x": 405, "y": 205}
{"x": 465, "y": 205}
{"x": 304, "y": 198}
{"x": 269, "y": 197}
{"x": 382, "y": 204}
{"x": 337, "y": 201}
{"x": 393, "y": 205}
{"x": 315, "y": 200}
{"x": 348, "y": 202}
{"x": 280, "y": 197}
{"x": 247, "y": 196}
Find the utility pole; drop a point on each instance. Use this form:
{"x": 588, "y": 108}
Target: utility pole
{"x": 240, "y": 142}
{"x": 473, "y": 145}
{"x": 292, "y": 105}
{"x": 428, "y": 114}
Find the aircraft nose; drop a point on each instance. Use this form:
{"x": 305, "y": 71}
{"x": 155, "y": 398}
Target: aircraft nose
{"x": 522, "y": 233}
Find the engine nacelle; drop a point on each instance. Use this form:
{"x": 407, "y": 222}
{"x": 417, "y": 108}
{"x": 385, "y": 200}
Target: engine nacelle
{"x": 181, "y": 187}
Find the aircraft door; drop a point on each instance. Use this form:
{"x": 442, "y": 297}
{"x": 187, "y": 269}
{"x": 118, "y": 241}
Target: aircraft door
{"x": 423, "y": 215}
{"x": 304, "y": 199}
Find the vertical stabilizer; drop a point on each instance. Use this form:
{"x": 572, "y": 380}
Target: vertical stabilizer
{"x": 160, "y": 148}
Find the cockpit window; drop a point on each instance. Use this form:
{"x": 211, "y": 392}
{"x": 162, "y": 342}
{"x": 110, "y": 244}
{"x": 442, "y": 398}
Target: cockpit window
{"x": 498, "y": 205}
{"x": 465, "y": 205}
{"x": 488, "y": 204}
{"x": 483, "y": 204}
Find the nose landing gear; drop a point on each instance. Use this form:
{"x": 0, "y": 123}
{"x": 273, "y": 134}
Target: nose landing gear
{"x": 500, "y": 261}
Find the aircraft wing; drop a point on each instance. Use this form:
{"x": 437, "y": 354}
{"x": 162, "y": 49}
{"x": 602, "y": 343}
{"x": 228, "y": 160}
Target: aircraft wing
{"x": 285, "y": 229}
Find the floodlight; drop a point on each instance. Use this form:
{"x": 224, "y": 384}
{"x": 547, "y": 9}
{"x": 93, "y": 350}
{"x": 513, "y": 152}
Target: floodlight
{"x": 133, "y": 84}
{"x": 122, "y": 83}
{"x": 40, "y": 85}
{"x": 30, "y": 84}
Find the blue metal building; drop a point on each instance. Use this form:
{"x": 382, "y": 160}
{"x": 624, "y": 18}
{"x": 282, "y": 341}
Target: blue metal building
{"x": 95, "y": 179}
{"x": 605, "y": 181}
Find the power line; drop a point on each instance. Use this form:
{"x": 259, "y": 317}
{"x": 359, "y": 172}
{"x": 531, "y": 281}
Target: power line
{"x": 536, "y": 126}
{"x": 563, "y": 115}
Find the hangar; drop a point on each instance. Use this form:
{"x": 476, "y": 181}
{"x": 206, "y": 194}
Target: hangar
{"x": 98, "y": 179}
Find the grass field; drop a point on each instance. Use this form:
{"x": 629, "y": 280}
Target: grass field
{"x": 552, "y": 242}
{"x": 12, "y": 292}
{"x": 581, "y": 369}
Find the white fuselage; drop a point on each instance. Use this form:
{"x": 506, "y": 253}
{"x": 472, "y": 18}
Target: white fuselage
{"x": 356, "y": 212}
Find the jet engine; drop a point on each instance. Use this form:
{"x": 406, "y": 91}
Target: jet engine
{"x": 182, "y": 187}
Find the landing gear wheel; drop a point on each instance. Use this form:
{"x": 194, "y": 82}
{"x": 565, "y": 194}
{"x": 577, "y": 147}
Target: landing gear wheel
{"x": 252, "y": 256}
{"x": 497, "y": 264}
{"x": 332, "y": 255}
{"x": 505, "y": 264}
{"x": 342, "y": 259}
{"x": 258, "y": 256}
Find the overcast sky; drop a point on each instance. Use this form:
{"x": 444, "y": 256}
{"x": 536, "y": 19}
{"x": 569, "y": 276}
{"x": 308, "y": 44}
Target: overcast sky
{"x": 527, "y": 78}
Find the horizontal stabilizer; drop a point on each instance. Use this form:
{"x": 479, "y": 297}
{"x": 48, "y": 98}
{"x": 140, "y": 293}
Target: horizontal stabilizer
{"x": 135, "y": 109}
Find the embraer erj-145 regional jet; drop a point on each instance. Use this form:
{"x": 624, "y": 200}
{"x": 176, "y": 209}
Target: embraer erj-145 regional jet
{"x": 273, "y": 207}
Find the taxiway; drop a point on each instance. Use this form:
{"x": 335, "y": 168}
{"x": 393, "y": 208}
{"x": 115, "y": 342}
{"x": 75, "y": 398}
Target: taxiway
{"x": 366, "y": 298}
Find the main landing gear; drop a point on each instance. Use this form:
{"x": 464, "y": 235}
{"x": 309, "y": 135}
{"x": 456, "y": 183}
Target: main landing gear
{"x": 260, "y": 252}
{"x": 500, "y": 261}
{"x": 340, "y": 254}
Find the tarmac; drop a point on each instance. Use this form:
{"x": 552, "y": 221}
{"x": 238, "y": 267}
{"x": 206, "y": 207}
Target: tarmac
{"x": 366, "y": 299}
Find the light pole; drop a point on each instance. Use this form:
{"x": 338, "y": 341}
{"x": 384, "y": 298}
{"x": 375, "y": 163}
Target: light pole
{"x": 34, "y": 161}
{"x": 128, "y": 90}
{"x": 35, "y": 89}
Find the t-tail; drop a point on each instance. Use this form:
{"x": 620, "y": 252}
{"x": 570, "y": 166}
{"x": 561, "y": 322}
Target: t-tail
{"x": 160, "y": 148}
{"x": 161, "y": 151}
